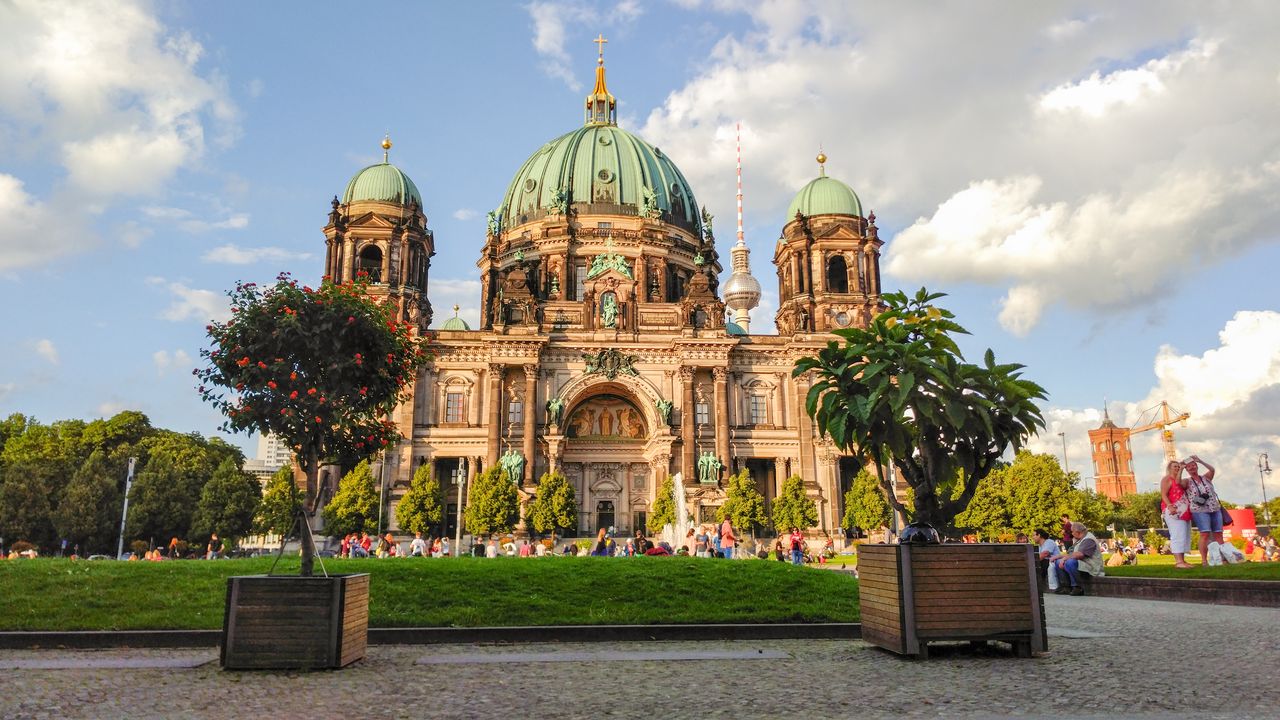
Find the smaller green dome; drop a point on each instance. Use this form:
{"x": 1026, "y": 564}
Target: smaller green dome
{"x": 733, "y": 328}
{"x": 383, "y": 182}
{"x": 824, "y": 196}
{"x": 455, "y": 322}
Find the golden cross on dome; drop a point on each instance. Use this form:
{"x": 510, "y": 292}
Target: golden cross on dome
{"x": 600, "y": 41}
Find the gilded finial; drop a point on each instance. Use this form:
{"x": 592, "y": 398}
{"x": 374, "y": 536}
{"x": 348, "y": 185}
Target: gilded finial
{"x": 386, "y": 147}
{"x": 600, "y": 41}
{"x": 456, "y": 308}
{"x": 822, "y": 162}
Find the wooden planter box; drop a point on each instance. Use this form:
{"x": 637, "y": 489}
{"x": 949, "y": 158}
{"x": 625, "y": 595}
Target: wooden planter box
{"x": 911, "y": 595}
{"x": 289, "y": 621}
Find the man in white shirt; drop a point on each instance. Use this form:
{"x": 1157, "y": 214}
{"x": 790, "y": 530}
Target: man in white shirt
{"x": 1047, "y": 549}
{"x": 418, "y": 548}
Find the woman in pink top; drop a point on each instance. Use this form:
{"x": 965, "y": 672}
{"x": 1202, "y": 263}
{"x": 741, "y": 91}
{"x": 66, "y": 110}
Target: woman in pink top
{"x": 727, "y": 540}
{"x": 1177, "y": 512}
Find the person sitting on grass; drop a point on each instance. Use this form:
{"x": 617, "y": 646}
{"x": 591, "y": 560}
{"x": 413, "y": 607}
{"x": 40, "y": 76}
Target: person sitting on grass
{"x": 1085, "y": 557}
{"x": 1046, "y": 548}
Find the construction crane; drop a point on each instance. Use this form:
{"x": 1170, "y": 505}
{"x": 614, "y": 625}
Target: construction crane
{"x": 1166, "y": 417}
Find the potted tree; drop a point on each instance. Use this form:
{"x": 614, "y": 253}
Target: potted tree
{"x": 899, "y": 393}
{"x": 322, "y": 368}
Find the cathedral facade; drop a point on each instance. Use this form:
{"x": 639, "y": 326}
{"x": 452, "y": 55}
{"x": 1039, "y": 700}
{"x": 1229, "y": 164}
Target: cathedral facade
{"x": 604, "y": 351}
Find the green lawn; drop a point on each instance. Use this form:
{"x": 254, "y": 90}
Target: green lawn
{"x": 49, "y": 594}
{"x": 1161, "y": 566}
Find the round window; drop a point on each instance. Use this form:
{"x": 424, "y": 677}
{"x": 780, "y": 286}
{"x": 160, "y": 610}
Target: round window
{"x": 530, "y": 184}
{"x": 605, "y": 139}
{"x": 675, "y": 189}
{"x": 605, "y": 175}
{"x": 842, "y": 319}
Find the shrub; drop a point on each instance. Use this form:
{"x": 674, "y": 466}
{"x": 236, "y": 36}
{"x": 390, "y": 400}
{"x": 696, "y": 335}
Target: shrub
{"x": 139, "y": 547}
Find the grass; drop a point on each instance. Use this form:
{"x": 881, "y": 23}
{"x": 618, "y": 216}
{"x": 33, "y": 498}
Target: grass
{"x": 1161, "y": 566}
{"x": 51, "y": 594}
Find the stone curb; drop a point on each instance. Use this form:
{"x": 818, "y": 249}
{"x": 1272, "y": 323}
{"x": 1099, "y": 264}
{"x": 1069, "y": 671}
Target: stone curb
{"x": 1243, "y": 593}
{"x": 99, "y": 639}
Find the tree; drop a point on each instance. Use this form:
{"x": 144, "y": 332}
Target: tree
{"x": 555, "y": 506}
{"x": 321, "y": 368}
{"x": 899, "y": 391}
{"x": 864, "y": 505}
{"x": 166, "y": 490}
{"x": 743, "y": 503}
{"x": 38, "y": 461}
{"x": 664, "y": 507}
{"x": 493, "y": 505}
{"x": 227, "y": 503}
{"x": 280, "y": 504}
{"x": 793, "y": 507}
{"x": 88, "y": 513}
{"x": 1093, "y": 509}
{"x": 422, "y": 507}
{"x": 354, "y": 508}
{"x": 1139, "y": 510}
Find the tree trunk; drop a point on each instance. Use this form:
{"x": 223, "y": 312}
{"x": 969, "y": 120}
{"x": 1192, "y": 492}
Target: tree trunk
{"x": 312, "y": 470}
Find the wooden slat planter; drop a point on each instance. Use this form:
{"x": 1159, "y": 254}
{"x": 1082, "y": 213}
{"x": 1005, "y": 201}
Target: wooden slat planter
{"x": 288, "y": 622}
{"x": 912, "y": 595}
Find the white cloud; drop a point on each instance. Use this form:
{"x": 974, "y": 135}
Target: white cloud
{"x": 236, "y": 255}
{"x": 550, "y": 20}
{"x": 444, "y": 293}
{"x": 1097, "y": 94}
{"x": 185, "y": 220}
{"x": 1014, "y": 183}
{"x": 34, "y": 232}
{"x": 115, "y": 406}
{"x": 1232, "y": 393}
{"x": 115, "y": 96}
{"x": 46, "y": 349}
{"x": 195, "y": 304}
{"x": 178, "y": 360}
{"x": 465, "y": 214}
{"x": 132, "y": 234}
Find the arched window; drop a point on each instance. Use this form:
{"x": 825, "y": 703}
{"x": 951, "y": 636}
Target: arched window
{"x": 837, "y": 275}
{"x": 371, "y": 263}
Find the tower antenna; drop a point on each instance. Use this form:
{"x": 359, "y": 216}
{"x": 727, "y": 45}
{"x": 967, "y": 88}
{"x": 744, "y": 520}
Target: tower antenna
{"x": 741, "y": 239}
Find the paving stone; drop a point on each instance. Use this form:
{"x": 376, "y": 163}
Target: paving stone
{"x": 1126, "y": 659}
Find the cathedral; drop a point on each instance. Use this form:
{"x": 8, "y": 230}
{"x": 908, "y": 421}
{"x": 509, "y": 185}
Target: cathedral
{"x": 608, "y": 347}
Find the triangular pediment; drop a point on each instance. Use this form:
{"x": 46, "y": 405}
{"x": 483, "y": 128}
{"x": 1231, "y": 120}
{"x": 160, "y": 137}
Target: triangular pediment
{"x": 837, "y": 232}
{"x": 371, "y": 220}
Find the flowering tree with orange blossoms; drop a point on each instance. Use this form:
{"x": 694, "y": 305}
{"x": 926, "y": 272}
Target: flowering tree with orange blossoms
{"x": 321, "y": 368}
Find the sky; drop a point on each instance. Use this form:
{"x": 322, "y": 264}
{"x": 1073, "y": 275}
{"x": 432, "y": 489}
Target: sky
{"x": 1095, "y": 185}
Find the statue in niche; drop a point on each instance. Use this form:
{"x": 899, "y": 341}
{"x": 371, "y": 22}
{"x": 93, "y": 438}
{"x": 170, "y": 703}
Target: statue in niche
{"x": 664, "y": 410}
{"x": 709, "y": 467}
{"x": 559, "y": 204}
{"x": 583, "y": 423}
{"x": 609, "y": 310}
{"x": 555, "y": 408}
{"x": 649, "y": 205}
{"x": 589, "y": 309}
{"x": 512, "y": 464}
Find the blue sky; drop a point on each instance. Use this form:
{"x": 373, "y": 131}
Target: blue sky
{"x": 1095, "y": 186}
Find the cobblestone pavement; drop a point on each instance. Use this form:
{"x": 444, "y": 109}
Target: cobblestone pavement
{"x": 1108, "y": 658}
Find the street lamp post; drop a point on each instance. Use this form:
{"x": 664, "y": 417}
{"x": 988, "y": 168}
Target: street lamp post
{"x": 461, "y": 482}
{"x": 1065, "y": 468}
{"x": 128, "y": 483}
{"x": 1264, "y": 469}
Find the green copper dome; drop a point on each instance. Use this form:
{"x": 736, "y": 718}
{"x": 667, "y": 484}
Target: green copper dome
{"x": 733, "y": 328}
{"x": 455, "y": 323}
{"x": 384, "y": 182}
{"x": 824, "y": 196}
{"x": 602, "y": 165}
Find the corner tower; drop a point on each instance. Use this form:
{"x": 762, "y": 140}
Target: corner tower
{"x": 828, "y": 260}
{"x": 378, "y": 230}
{"x": 1112, "y": 459}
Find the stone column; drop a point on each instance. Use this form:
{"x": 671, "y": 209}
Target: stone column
{"x": 851, "y": 273}
{"x": 779, "y": 475}
{"x": 386, "y": 264}
{"x": 349, "y": 260}
{"x": 807, "y": 261}
{"x": 736, "y": 408}
{"x": 780, "y": 401}
{"x": 722, "y": 415}
{"x": 797, "y": 279}
{"x": 688, "y": 417}
{"x": 530, "y": 418}
{"x": 494, "y": 398}
{"x": 807, "y": 468}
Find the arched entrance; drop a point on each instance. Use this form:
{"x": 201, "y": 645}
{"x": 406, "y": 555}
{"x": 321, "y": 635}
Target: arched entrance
{"x": 606, "y": 447}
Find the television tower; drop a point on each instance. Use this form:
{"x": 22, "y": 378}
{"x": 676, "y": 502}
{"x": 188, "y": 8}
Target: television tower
{"x": 741, "y": 291}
